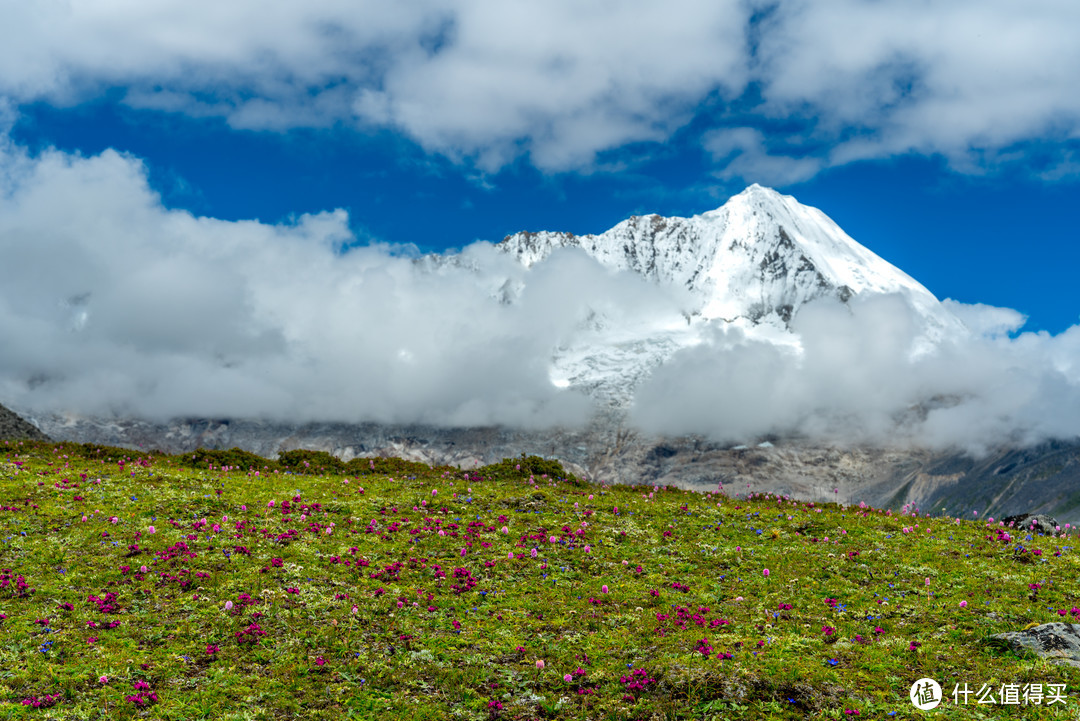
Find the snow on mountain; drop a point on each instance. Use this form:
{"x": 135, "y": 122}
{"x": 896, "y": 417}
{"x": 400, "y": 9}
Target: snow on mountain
{"x": 750, "y": 264}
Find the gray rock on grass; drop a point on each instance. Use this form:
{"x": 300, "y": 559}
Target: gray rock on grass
{"x": 1036, "y": 524}
{"x": 1059, "y": 643}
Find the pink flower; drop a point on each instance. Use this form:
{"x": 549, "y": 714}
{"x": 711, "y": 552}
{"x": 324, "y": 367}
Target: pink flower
{"x": 151, "y": 529}
{"x": 434, "y": 492}
{"x": 103, "y": 679}
{"x": 588, "y": 549}
{"x": 539, "y": 663}
{"x": 463, "y": 552}
{"x": 270, "y": 504}
{"x": 963, "y": 604}
{"x": 604, "y": 588}
{"x": 228, "y": 605}
{"x": 766, "y": 572}
{"x": 510, "y": 555}
{"x": 505, "y": 530}
{"x": 568, "y": 678}
{"x": 927, "y": 580}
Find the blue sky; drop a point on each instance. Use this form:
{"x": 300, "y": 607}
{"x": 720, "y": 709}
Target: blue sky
{"x": 944, "y": 137}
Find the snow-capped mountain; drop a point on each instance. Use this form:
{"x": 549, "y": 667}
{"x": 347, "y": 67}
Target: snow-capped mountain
{"x": 751, "y": 264}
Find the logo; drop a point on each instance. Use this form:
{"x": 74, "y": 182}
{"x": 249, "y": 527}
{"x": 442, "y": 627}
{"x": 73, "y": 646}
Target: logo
{"x": 925, "y": 694}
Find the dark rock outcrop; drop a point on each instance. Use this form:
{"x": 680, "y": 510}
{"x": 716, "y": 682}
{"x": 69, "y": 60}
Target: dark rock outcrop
{"x": 1037, "y": 524}
{"x": 13, "y": 427}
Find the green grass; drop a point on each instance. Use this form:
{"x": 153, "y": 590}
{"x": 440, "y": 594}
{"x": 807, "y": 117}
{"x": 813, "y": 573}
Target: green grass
{"x": 684, "y": 572}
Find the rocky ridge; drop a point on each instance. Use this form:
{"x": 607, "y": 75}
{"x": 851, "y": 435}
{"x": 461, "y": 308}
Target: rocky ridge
{"x": 1041, "y": 479}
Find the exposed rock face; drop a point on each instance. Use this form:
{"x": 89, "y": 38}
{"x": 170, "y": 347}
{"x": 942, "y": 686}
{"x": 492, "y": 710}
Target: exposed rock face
{"x": 1059, "y": 643}
{"x": 13, "y": 427}
{"x": 1043, "y": 479}
{"x": 1037, "y": 524}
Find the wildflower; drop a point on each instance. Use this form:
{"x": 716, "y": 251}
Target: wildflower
{"x": 766, "y": 573}
{"x": 963, "y": 604}
{"x": 103, "y": 680}
{"x": 211, "y": 649}
{"x": 539, "y": 663}
{"x": 604, "y": 588}
{"x": 588, "y": 549}
{"x": 510, "y": 555}
{"x": 228, "y": 605}
{"x": 151, "y": 529}
{"x": 568, "y": 678}
{"x": 320, "y": 661}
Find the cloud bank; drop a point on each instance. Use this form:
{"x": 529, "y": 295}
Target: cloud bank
{"x": 857, "y": 380}
{"x": 779, "y": 90}
{"x": 111, "y": 303}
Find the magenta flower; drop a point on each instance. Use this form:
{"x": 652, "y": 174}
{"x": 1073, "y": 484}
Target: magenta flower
{"x": 568, "y": 678}
{"x": 228, "y": 605}
{"x": 766, "y": 572}
{"x": 539, "y": 663}
{"x": 604, "y": 588}
{"x": 151, "y": 529}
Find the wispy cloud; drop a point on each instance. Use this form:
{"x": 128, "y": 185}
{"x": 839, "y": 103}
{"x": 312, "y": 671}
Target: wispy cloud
{"x": 487, "y": 82}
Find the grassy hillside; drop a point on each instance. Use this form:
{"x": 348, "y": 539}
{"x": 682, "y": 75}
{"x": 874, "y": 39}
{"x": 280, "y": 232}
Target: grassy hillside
{"x": 149, "y": 586}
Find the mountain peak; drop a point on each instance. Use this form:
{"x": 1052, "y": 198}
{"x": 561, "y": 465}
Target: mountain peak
{"x": 760, "y": 256}
{"x": 754, "y": 262}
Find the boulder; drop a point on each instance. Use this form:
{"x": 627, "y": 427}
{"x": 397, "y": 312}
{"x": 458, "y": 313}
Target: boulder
{"x": 1035, "y": 524}
{"x": 1059, "y": 643}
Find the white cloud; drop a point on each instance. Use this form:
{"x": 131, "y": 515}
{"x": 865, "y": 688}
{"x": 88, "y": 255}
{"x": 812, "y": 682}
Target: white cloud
{"x": 487, "y": 81}
{"x": 893, "y": 77}
{"x": 112, "y": 303}
{"x": 742, "y": 153}
{"x": 109, "y": 301}
{"x": 855, "y": 381}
